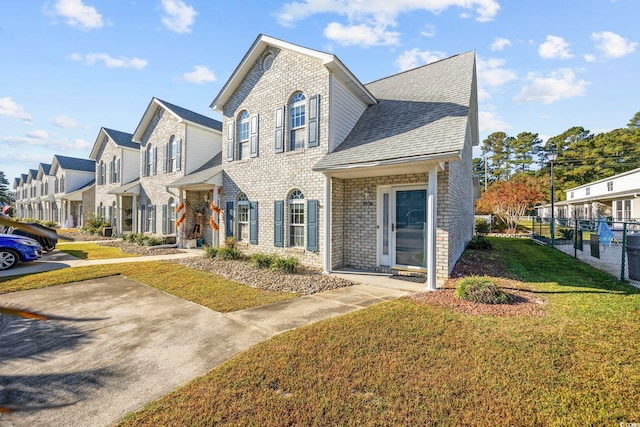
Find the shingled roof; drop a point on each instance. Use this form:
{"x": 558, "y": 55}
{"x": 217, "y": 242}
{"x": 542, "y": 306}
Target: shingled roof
{"x": 74, "y": 163}
{"x": 420, "y": 113}
{"x": 122, "y": 139}
{"x": 202, "y": 174}
{"x": 192, "y": 116}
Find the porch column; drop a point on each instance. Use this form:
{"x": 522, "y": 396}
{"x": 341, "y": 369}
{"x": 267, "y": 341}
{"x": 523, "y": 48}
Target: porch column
{"x": 118, "y": 215}
{"x": 327, "y": 225}
{"x": 216, "y": 216}
{"x": 432, "y": 207}
{"x": 134, "y": 213}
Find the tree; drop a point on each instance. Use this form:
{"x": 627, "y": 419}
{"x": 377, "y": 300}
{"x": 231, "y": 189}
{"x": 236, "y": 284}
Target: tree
{"x": 4, "y": 189}
{"x": 526, "y": 145}
{"x": 510, "y": 200}
{"x": 495, "y": 148}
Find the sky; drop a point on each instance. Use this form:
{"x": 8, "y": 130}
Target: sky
{"x": 70, "y": 67}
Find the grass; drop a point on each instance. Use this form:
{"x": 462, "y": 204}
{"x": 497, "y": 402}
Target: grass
{"x": 403, "y": 363}
{"x": 92, "y": 251}
{"x": 201, "y": 287}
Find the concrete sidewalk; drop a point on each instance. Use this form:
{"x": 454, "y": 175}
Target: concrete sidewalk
{"x": 123, "y": 344}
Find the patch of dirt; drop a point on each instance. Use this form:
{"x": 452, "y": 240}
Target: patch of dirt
{"x": 524, "y": 302}
{"x": 80, "y": 236}
{"x": 132, "y": 248}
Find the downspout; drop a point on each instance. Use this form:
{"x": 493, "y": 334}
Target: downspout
{"x": 432, "y": 206}
{"x": 327, "y": 225}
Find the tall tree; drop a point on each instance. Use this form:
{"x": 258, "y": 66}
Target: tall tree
{"x": 4, "y": 189}
{"x": 526, "y": 144}
{"x": 495, "y": 148}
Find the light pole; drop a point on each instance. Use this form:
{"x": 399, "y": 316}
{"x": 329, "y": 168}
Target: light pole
{"x": 552, "y": 156}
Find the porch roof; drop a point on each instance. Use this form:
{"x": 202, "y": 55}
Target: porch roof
{"x": 203, "y": 178}
{"x": 132, "y": 187}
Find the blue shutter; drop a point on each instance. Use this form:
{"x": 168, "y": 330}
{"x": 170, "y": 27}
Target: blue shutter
{"x": 279, "y": 135}
{"x": 143, "y": 218}
{"x": 143, "y": 171}
{"x": 98, "y": 174}
{"x": 154, "y": 161}
{"x": 179, "y": 155}
{"x": 228, "y": 214}
{"x": 165, "y": 160}
{"x": 278, "y": 223}
{"x": 117, "y": 170}
{"x": 312, "y": 225}
{"x": 253, "y": 135}
{"x": 313, "y": 126}
{"x": 253, "y": 223}
{"x": 230, "y": 147}
{"x": 153, "y": 219}
{"x": 164, "y": 219}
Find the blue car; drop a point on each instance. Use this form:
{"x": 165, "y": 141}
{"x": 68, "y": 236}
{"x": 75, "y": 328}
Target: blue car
{"x": 14, "y": 248}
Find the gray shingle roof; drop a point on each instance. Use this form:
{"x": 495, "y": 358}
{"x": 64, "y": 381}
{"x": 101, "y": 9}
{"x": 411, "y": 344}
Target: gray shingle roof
{"x": 202, "y": 174}
{"x": 33, "y": 173}
{"x": 420, "y": 112}
{"x": 46, "y": 167}
{"x": 76, "y": 164}
{"x": 192, "y": 116}
{"x": 122, "y": 138}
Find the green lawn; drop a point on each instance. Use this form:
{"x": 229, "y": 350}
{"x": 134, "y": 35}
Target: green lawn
{"x": 201, "y": 287}
{"x": 404, "y": 363}
{"x": 92, "y": 251}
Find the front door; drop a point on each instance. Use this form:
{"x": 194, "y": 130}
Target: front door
{"x": 402, "y": 231}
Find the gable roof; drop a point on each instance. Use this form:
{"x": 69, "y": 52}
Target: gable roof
{"x": 121, "y": 139}
{"x": 16, "y": 183}
{"x": 421, "y": 114}
{"x": 72, "y": 163}
{"x": 261, "y": 43}
{"x": 23, "y": 178}
{"x": 182, "y": 114}
{"x": 32, "y": 175}
{"x": 43, "y": 170}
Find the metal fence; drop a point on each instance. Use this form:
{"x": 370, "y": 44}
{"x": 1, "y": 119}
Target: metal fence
{"x": 610, "y": 246}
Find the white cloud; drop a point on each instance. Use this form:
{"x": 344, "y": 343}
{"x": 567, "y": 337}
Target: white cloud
{"x": 561, "y": 84}
{"x": 612, "y": 45}
{"x": 554, "y": 48}
{"x": 8, "y": 107}
{"x": 368, "y": 22}
{"x": 199, "y": 75}
{"x": 491, "y": 72}
{"x": 415, "y": 57}
{"x": 65, "y": 122}
{"x": 109, "y": 61}
{"x": 178, "y": 17}
{"x": 428, "y": 31}
{"x": 590, "y": 57}
{"x": 362, "y": 34}
{"x": 78, "y": 14}
{"x": 489, "y": 121}
{"x": 38, "y": 134}
{"x": 500, "y": 43}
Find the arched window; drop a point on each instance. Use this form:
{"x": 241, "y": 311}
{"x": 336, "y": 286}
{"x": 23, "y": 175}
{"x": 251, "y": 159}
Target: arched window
{"x": 243, "y": 217}
{"x": 296, "y": 218}
{"x": 243, "y": 135}
{"x": 171, "y": 226}
{"x": 297, "y": 121}
{"x": 62, "y": 184}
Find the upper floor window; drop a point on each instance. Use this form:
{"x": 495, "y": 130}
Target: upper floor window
{"x": 610, "y": 186}
{"x": 297, "y": 117}
{"x": 243, "y": 135}
{"x": 243, "y": 217}
{"x": 572, "y": 194}
{"x": 62, "y": 184}
{"x": 296, "y": 218}
{"x": 149, "y": 160}
{"x": 46, "y": 188}
{"x": 587, "y": 191}
{"x": 172, "y": 153}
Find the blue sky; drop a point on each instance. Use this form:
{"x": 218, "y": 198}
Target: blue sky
{"x": 69, "y": 67}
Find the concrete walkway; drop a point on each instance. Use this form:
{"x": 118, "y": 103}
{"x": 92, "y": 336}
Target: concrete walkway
{"x": 119, "y": 344}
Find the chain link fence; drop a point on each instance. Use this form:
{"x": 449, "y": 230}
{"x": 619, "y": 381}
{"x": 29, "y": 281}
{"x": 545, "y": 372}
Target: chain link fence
{"x": 610, "y": 246}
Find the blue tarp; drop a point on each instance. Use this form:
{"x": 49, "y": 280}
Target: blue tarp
{"x": 605, "y": 233}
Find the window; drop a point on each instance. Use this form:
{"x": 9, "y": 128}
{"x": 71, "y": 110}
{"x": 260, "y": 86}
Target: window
{"x": 46, "y": 188}
{"x": 297, "y": 121}
{"x": 610, "y": 186}
{"x": 150, "y": 217}
{"x": 243, "y": 135}
{"x": 112, "y": 215}
{"x": 296, "y": 218}
{"x": 572, "y": 194}
{"x": 103, "y": 173}
{"x": 173, "y": 154}
{"x": 149, "y": 157}
{"x": 171, "y": 225}
{"x": 62, "y": 184}
{"x": 587, "y": 191}
{"x": 242, "y": 217}
{"x": 115, "y": 172}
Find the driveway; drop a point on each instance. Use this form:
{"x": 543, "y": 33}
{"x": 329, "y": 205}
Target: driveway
{"x": 118, "y": 344}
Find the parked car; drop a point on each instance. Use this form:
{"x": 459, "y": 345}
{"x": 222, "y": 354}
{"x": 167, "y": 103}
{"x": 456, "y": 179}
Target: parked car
{"x": 14, "y": 249}
{"x": 46, "y": 236}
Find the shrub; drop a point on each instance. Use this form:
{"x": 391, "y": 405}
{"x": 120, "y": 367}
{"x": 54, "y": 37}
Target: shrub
{"x": 50, "y": 224}
{"x": 483, "y": 226}
{"x": 210, "y": 252}
{"x": 482, "y": 290}
{"x": 480, "y": 242}
{"x": 94, "y": 225}
{"x": 228, "y": 253}
{"x": 231, "y": 242}
{"x": 567, "y": 233}
{"x": 129, "y": 237}
{"x": 263, "y": 260}
{"x": 286, "y": 265}
{"x": 152, "y": 241}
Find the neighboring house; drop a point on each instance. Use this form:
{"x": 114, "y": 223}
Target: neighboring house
{"x": 117, "y": 160}
{"x": 340, "y": 174}
{"x": 174, "y": 143}
{"x": 17, "y": 188}
{"x": 74, "y": 190}
{"x": 22, "y": 195}
{"x": 46, "y": 196}
{"x": 616, "y": 197}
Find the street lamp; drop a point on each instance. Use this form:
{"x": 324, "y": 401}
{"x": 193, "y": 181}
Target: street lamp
{"x": 552, "y": 156}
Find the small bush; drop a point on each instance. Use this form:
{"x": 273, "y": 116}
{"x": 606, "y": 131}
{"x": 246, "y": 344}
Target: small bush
{"x": 479, "y": 242}
{"x": 483, "y": 226}
{"x": 482, "y": 290}
{"x": 286, "y": 265}
{"x": 263, "y": 260}
{"x": 567, "y": 233}
{"x": 152, "y": 241}
{"x": 129, "y": 237}
{"x": 94, "y": 225}
{"x": 228, "y": 253}
{"x": 210, "y": 252}
{"x": 231, "y": 242}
